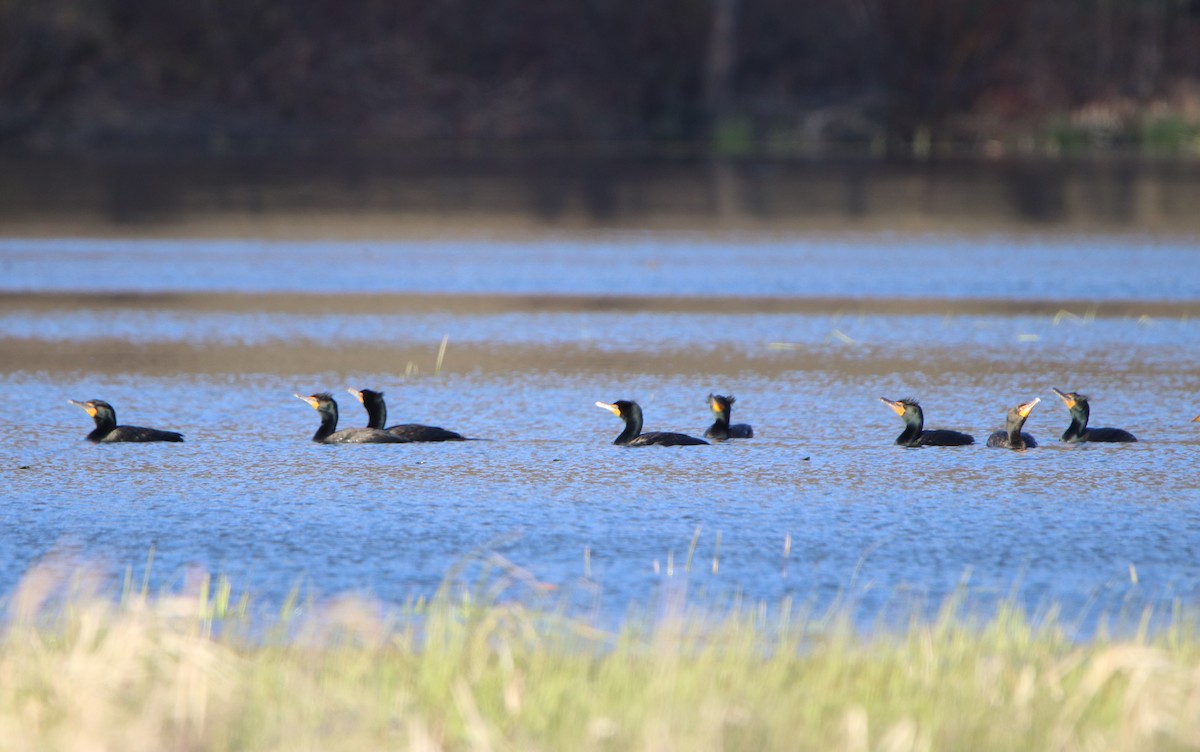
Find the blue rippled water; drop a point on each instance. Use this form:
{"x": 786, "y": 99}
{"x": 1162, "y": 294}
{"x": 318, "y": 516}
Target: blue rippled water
{"x": 819, "y": 508}
{"x": 1051, "y": 267}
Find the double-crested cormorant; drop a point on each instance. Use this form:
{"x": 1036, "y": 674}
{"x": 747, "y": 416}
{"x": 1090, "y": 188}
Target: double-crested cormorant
{"x": 107, "y": 429}
{"x": 720, "y": 430}
{"x": 1078, "y": 430}
{"x": 377, "y": 418}
{"x": 328, "y": 434}
{"x": 1011, "y": 437}
{"x": 914, "y": 434}
{"x": 631, "y": 413}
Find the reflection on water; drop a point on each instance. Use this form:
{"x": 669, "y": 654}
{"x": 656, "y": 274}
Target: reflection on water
{"x": 614, "y": 191}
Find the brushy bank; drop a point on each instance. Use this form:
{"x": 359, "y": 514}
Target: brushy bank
{"x": 184, "y": 673}
{"x": 224, "y": 75}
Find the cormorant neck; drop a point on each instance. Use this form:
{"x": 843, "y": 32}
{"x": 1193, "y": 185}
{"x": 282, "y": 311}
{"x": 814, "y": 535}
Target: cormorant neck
{"x": 1081, "y": 414}
{"x": 633, "y": 427}
{"x": 1015, "y": 440}
{"x": 722, "y": 418}
{"x": 105, "y": 423}
{"x": 329, "y": 419}
{"x": 720, "y": 426}
{"x": 1079, "y": 421}
{"x": 99, "y": 434}
{"x": 914, "y": 423}
{"x": 719, "y": 429}
{"x": 376, "y": 413}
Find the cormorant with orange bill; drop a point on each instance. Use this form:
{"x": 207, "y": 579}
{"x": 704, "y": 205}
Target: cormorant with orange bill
{"x": 377, "y": 418}
{"x": 107, "y": 430}
{"x": 720, "y": 430}
{"x": 324, "y": 404}
{"x": 1011, "y": 436}
{"x": 915, "y": 434}
{"x": 1078, "y": 431}
{"x": 631, "y": 413}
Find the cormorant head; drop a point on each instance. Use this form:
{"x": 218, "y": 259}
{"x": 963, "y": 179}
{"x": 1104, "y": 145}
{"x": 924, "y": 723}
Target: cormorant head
{"x": 374, "y": 404}
{"x": 1069, "y": 398}
{"x": 624, "y": 409}
{"x": 100, "y": 410}
{"x": 322, "y": 402}
{"x": 1022, "y": 411}
{"x": 1196, "y": 419}
{"x": 720, "y": 403}
{"x": 629, "y": 412}
{"x": 1074, "y": 401}
{"x": 907, "y": 408}
{"x": 366, "y": 396}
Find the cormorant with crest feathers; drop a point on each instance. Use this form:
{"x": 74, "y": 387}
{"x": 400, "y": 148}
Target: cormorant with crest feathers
{"x": 107, "y": 430}
{"x": 915, "y": 434}
{"x": 720, "y": 430}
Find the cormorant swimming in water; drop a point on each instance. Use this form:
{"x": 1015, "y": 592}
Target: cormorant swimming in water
{"x": 720, "y": 429}
{"x": 1078, "y": 431}
{"x": 1012, "y": 437}
{"x": 107, "y": 430}
{"x": 631, "y": 413}
{"x": 914, "y": 434}
{"x": 328, "y": 434}
{"x": 377, "y": 418}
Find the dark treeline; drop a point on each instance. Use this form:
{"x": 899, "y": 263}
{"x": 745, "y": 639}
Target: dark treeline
{"x": 91, "y": 73}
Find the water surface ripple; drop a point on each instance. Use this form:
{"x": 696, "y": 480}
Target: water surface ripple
{"x": 1089, "y": 267}
{"x": 819, "y": 508}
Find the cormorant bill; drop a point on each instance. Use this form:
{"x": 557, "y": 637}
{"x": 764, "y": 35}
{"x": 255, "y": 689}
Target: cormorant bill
{"x": 107, "y": 430}
{"x": 410, "y": 432}
{"x": 914, "y": 433}
{"x": 1078, "y": 431}
{"x": 720, "y": 430}
{"x": 1011, "y": 437}
{"x": 631, "y": 413}
{"x": 327, "y": 433}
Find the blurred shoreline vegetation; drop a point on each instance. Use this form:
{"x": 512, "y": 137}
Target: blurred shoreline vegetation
{"x": 769, "y": 77}
{"x": 79, "y": 670}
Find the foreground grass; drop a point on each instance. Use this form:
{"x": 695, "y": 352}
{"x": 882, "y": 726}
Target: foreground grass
{"x": 172, "y": 673}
